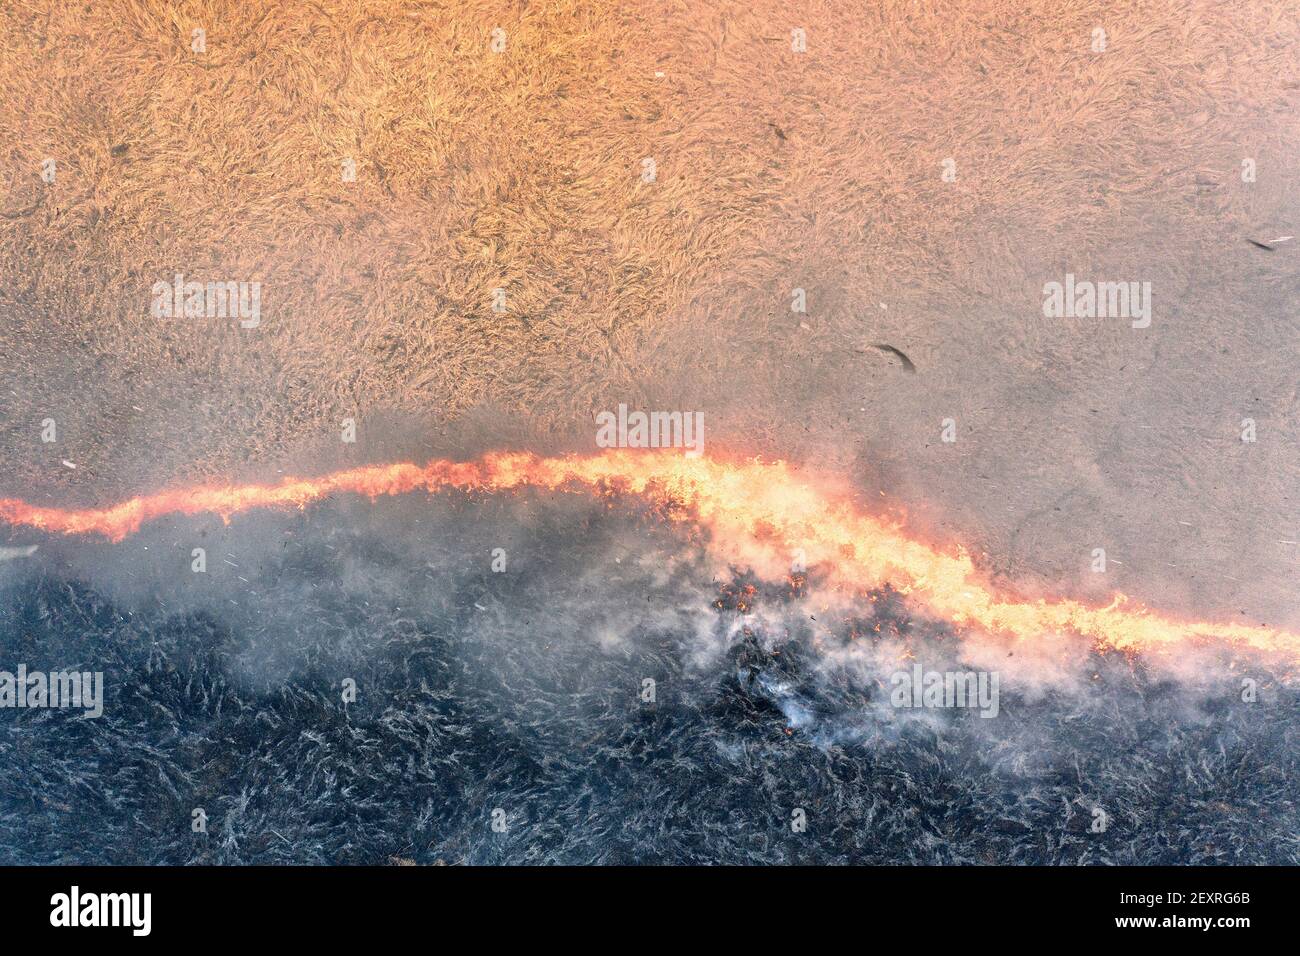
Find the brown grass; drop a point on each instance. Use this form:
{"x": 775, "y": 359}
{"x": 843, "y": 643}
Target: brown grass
{"x": 776, "y": 170}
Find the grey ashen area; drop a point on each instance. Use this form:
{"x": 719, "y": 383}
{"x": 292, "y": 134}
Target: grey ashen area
{"x": 518, "y": 699}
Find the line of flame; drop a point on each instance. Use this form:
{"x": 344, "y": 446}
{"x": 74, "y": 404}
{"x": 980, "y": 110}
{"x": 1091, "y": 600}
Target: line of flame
{"x": 758, "y": 512}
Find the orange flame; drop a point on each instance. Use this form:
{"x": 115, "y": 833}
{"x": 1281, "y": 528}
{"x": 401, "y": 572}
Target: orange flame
{"x": 760, "y": 513}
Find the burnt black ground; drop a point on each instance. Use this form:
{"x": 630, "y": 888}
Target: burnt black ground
{"x": 521, "y": 691}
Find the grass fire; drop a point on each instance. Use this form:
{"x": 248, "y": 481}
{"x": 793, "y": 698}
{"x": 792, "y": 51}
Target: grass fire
{"x": 725, "y": 431}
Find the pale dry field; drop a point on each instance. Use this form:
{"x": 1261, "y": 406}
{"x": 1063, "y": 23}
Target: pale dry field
{"x": 775, "y": 170}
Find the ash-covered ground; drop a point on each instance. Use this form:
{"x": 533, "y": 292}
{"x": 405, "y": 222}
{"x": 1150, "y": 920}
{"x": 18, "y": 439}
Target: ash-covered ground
{"x": 523, "y": 691}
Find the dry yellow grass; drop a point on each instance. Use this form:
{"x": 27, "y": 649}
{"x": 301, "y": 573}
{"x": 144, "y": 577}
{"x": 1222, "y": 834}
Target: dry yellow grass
{"x": 776, "y": 170}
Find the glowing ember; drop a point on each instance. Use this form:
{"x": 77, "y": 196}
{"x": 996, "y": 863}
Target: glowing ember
{"x": 757, "y": 513}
